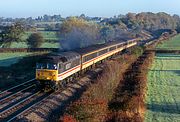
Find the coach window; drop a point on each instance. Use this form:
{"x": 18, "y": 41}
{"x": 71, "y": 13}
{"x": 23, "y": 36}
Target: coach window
{"x": 119, "y": 46}
{"x": 112, "y": 48}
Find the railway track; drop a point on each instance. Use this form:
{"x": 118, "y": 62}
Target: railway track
{"x": 20, "y": 95}
{"x": 16, "y": 89}
{"x": 17, "y": 98}
{"x": 12, "y": 111}
{"x": 29, "y": 109}
{"x": 13, "y": 118}
{"x": 40, "y": 111}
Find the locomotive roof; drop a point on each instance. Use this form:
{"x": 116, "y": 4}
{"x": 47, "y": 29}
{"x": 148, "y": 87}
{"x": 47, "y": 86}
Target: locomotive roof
{"x": 60, "y": 57}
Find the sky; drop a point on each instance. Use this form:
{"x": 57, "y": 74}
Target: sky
{"x": 101, "y": 8}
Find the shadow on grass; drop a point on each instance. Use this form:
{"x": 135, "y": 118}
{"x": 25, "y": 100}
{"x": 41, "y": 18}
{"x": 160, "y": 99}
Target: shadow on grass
{"x": 9, "y": 61}
{"x": 178, "y": 59}
{"x": 166, "y": 55}
{"x": 174, "y": 71}
{"x": 164, "y": 108}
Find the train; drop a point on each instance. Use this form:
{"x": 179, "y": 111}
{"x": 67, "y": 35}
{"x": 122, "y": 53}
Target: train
{"x": 56, "y": 69}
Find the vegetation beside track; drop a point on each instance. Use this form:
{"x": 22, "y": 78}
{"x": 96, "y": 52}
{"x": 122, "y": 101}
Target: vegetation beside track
{"x": 128, "y": 103}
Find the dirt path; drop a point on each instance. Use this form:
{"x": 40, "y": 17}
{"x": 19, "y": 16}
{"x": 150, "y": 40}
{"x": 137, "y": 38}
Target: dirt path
{"x": 163, "y": 95}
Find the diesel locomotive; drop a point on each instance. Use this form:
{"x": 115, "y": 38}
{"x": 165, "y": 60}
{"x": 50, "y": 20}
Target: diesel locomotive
{"x": 56, "y": 69}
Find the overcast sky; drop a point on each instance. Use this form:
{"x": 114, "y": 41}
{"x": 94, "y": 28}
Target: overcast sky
{"x": 104, "y": 8}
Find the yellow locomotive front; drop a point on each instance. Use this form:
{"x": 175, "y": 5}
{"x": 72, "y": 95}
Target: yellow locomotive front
{"x": 47, "y": 74}
{"x": 46, "y": 71}
{"x": 53, "y": 70}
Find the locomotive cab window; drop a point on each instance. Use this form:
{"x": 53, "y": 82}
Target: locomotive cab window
{"x": 52, "y": 66}
{"x": 46, "y": 66}
{"x": 41, "y": 66}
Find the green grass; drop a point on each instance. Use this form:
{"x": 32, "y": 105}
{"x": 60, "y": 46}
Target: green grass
{"x": 44, "y": 45}
{"x": 6, "y": 59}
{"x": 48, "y": 35}
{"x": 172, "y": 44}
{"x": 50, "y": 45}
{"x": 51, "y": 40}
{"x": 163, "y": 98}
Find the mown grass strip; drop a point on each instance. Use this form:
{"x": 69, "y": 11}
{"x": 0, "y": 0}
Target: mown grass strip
{"x": 163, "y": 89}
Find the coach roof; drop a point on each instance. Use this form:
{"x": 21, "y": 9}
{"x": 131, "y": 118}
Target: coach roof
{"x": 92, "y": 48}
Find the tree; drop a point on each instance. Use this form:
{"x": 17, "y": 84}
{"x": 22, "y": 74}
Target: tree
{"x": 78, "y": 33}
{"x": 35, "y": 40}
{"x": 50, "y": 27}
{"x": 107, "y": 33}
{"x": 83, "y": 16}
{"x": 178, "y": 29}
{"x": 11, "y": 34}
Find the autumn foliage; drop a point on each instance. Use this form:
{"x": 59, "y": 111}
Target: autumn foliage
{"x": 128, "y": 101}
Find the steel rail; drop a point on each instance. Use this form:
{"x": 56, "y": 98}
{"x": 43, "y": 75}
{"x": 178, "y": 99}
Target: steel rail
{"x": 15, "y": 87}
{"x": 16, "y": 93}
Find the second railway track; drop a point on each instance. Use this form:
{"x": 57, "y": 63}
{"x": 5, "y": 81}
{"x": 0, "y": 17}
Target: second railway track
{"x": 16, "y": 89}
{"x": 12, "y": 99}
{"x": 17, "y": 108}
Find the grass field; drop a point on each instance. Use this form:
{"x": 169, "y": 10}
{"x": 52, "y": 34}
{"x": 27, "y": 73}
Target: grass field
{"x": 44, "y": 45}
{"x": 6, "y": 59}
{"x": 172, "y": 44}
{"x": 48, "y": 35}
{"x": 163, "y": 94}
